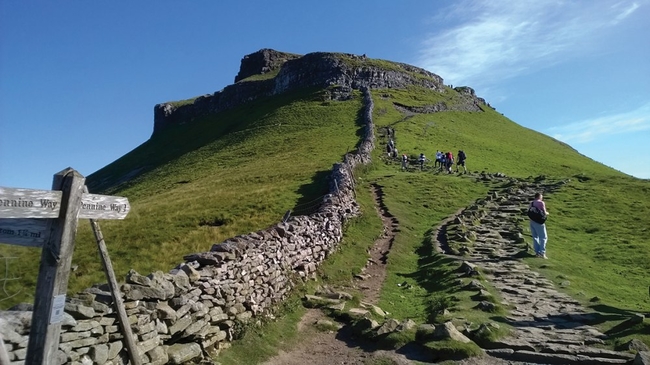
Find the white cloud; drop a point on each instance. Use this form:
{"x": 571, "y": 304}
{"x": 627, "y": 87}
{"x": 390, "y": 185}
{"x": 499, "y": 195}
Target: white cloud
{"x": 593, "y": 129}
{"x": 481, "y": 42}
{"x": 626, "y": 12}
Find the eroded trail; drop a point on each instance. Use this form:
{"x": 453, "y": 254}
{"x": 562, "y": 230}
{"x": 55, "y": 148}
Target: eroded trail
{"x": 371, "y": 279}
{"x": 342, "y": 346}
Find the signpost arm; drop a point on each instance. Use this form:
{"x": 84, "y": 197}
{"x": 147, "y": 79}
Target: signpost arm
{"x": 54, "y": 271}
{"x": 129, "y": 341}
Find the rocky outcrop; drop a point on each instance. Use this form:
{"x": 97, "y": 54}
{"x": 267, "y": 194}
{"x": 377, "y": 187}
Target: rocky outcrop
{"x": 194, "y": 310}
{"x": 261, "y": 62}
{"x": 339, "y": 73}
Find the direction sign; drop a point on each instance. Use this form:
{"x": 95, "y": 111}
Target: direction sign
{"x": 30, "y": 232}
{"x": 27, "y": 203}
{"x": 31, "y": 206}
{"x": 95, "y": 206}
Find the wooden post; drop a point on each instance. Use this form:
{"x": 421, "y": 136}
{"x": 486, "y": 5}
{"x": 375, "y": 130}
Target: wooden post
{"x": 54, "y": 272}
{"x": 129, "y": 342}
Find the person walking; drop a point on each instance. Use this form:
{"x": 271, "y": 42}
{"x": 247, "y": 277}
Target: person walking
{"x": 537, "y": 213}
{"x": 421, "y": 160}
{"x": 449, "y": 157}
{"x": 405, "y": 161}
{"x": 461, "y": 160}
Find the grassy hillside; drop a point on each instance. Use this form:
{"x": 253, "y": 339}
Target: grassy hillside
{"x": 239, "y": 171}
{"x": 599, "y": 246}
{"x": 201, "y": 183}
{"x": 598, "y": 241}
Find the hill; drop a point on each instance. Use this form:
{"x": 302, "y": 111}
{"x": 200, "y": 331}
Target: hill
{"x": 230, "y": 163}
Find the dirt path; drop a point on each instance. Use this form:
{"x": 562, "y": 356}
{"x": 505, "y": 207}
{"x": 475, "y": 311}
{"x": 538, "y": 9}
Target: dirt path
{"x": 343, "y": 347}
{"x": 373, "y": 274}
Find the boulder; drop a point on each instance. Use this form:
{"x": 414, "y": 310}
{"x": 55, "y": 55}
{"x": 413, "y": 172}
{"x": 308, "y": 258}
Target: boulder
{"x": 449, "y": 331}
{"x": 181, "y": 353}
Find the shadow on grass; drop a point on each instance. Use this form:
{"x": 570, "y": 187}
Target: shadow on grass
{"x": 368, "y": 343}
{"x": 311, "y": 194}
{"x": 436, "y": 275}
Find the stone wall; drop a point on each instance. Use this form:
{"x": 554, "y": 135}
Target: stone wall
{"x": 198, "y": 307}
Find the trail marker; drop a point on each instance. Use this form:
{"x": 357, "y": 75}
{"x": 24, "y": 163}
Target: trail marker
{"x": 48, "y": 219}
{"x": 31, "y": 206}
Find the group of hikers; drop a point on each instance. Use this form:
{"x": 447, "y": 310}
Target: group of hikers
{"x": 444, "y": 160}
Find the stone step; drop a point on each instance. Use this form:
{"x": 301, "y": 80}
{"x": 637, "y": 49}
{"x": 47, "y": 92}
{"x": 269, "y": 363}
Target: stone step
{"x": 550, "y": 358}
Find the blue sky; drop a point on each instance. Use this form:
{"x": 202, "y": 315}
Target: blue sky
{"x": 79, "y": 79}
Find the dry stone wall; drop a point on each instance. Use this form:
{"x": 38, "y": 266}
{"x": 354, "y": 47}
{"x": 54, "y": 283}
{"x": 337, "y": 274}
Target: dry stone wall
{"x": 197, "y": 308}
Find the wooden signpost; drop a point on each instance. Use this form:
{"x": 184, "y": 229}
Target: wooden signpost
{"x": 34, "y": 205}
{"x": 48, "y": 219}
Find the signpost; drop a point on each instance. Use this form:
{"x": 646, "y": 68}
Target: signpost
{"x": 48, "y": 219}
{"x": 31, "y": 206}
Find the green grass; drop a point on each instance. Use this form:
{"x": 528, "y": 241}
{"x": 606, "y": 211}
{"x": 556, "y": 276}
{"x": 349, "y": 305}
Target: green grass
{"x": 239, "y": 171}
{"x": 180, "y": 103}
{"x": 265, "y": 76}
{"x": 599, "y": 245}
{"x": 267, "y": 337}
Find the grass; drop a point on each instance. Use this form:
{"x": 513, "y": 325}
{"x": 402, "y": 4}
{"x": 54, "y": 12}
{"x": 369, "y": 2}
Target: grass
{"x": 267, "y": 337}
{"x": 587, "y": 213}
{"x": 199, "y": 184}
{"x": 180, "y": 103}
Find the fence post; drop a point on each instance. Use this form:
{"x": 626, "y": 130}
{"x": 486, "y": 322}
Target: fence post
{"x": 54, "y": 272}
{"x": 286, "y": 216}
{"x": 338, "y": 192}
{"x": 352, "y": 182}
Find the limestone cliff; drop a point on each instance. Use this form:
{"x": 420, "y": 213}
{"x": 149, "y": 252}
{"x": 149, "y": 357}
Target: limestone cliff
{"x": 269, "y": 72}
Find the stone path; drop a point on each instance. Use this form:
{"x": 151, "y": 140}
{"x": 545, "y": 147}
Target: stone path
{"x": 549, "y": 327}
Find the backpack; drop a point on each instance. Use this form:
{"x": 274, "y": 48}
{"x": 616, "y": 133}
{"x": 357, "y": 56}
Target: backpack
{"x": 461, "y": 156}
{"x": 536, "y": 215}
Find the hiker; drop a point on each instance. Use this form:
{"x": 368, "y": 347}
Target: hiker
{"x": 537, "y": 213}
{"x": 405, "y": 161}
{"x": 461, "y": 160}
{"x": 421, "y": 160}
{"x": 449, "y": 158}
{"x": 443, "y": 161}
{"x": 438, "y": 159}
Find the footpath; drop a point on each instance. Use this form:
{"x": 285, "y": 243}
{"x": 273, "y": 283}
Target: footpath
{"x": 548, "y": 327}
{"x": 487, "y": 239}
